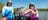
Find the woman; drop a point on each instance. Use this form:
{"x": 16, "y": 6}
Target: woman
{"x": 33, "y": 12}
{"x": 7, "y": 12}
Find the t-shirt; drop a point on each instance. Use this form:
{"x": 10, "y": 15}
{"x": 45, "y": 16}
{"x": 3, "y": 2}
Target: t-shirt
{"x": 7, "y": 12}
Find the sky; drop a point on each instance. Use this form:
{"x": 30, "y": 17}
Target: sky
{"x": 25, "y": 3}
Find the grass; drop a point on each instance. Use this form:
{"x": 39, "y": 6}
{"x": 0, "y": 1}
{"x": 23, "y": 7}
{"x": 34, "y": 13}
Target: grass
{"x": 0, "y": 16}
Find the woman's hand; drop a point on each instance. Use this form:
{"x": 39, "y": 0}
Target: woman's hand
{"x": 32, "y": 11}
{"x": 4, "y": 18}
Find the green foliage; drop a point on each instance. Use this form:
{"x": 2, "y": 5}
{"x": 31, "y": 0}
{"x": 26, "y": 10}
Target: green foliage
{"x": 1, "y": 5}
{"x": 15, "y": 10}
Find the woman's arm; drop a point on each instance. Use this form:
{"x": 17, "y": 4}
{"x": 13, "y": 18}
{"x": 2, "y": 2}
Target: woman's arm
{"x": 3, "y": 14}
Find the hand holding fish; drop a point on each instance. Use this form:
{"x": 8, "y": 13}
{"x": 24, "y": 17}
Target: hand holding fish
{"x": 31, "y": 11}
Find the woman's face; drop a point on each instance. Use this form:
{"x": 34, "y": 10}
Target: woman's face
{"x": 9, "y": 4}
{"x": 31, "y": 7}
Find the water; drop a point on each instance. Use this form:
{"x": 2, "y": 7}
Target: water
{"x": 43, "y": 15}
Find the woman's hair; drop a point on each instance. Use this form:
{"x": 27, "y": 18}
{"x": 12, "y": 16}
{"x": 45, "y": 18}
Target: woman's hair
{"x": 8, "y": 3}
{"x": 30, "y": 5}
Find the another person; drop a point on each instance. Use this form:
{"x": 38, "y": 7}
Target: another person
{"x": 21, "y": 14}
{"x": 8, "y": 12}
{"x": 17, "y": 14}
{"x": 33, "y": 12}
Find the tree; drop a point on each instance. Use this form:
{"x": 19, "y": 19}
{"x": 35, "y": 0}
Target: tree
{"x": 1, "y": 5}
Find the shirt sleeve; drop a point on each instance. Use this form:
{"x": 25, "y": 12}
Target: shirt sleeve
{"x": 36, "y": 11}
{"x": 3, "y": 12}
{"x": 37, "y": 14}
{"x": 12, "y": 10}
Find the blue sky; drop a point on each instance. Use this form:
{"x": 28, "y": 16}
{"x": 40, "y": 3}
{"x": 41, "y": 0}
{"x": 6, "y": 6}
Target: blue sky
{"x": 25, "y": 3}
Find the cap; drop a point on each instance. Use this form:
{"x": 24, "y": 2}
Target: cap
{"x": 31, "y": 3}
{"x": 9, "y": 0}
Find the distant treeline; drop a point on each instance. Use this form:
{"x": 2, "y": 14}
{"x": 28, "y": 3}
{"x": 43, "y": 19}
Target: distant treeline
{"x": 42, "y": 9}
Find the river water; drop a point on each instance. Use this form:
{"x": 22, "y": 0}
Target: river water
{"x": 43, "y": 15}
